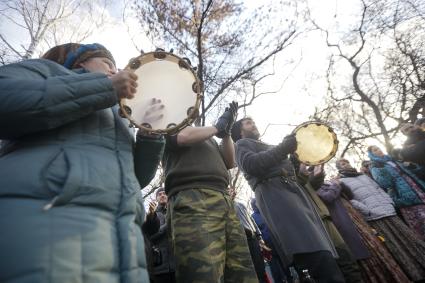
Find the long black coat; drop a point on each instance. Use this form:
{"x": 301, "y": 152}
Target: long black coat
{"x": 161, "y": 253}
{"x": 294, "y": 223}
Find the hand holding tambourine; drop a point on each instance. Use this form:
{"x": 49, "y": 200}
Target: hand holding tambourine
{"x": 168, "y": 78}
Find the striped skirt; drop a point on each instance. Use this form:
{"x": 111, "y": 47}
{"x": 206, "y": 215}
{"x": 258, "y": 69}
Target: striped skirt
{"x": 404, "y": 244}
{"x": 380, "y": 267}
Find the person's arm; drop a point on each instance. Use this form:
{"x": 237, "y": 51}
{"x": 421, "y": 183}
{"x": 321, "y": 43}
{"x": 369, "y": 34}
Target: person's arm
{"x": 317, "y": 177}
{"x": 228, "y": 152}
{"x": 192, "y": 135}
{"x": 258, "y": 163}
{"x": 36, "y": 96}
{"x": 364, "y": 210}
{"x": 151, "y": 225}
{"x": 346, "y": 192}
{"x": 39, "y": 95}
{"x": 329, "y": 192}
{"x": 147, "y": 156}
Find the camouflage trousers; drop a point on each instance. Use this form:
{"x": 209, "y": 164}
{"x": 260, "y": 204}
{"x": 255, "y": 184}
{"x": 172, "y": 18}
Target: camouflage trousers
{"x": 208, "y": 241}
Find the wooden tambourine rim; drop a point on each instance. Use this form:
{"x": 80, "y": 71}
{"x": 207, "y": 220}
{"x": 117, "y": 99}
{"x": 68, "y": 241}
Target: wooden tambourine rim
{"x": 135, "y": 63}
{"x": 330, "y": 155}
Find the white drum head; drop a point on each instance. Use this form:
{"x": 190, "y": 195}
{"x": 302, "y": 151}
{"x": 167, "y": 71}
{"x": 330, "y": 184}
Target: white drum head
{"x": 170, "y": 79}
{"x": 317, "y": 143}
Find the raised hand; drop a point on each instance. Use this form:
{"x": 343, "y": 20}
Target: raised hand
{"x": 303, "y": 170}
{"x": 227, "y": 119}
{"x": 318, "y": 170}
{"x": 152, "y": 208}
{"x": 233, "y": 107}
{"x": 154, "y": 112}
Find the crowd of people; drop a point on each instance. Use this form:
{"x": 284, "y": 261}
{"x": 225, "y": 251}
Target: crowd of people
{"x": 72, "y": 209}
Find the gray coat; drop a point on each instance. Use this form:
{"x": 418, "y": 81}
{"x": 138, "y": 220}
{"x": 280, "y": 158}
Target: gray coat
{"x": 70, "y": 207}
{"x": 294, "y": 224}
{"x": 161, "y": 249}
{"x": 368, "y": 198}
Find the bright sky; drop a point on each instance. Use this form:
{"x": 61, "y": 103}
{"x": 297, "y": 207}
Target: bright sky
{"x": 301, "y": 90}
{"x": 297, "y": 66}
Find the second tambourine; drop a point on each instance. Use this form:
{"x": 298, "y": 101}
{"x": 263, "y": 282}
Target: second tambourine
{"x": 317, "y": 143}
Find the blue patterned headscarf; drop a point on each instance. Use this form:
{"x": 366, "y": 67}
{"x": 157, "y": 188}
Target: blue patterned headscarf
{"x": 70, "y": 55}
{"x": 379, "y": 159}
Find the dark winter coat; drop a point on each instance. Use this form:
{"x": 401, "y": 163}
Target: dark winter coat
{"x": 160, "y": 246}
{"x": 393, "y": 177}
{"x": 295, "y": 225}
{"x": 70, "y": 204}
{"x": 368, "y": 198}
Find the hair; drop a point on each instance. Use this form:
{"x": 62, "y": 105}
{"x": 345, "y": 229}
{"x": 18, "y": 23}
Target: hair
{"x": 366, "y": 163}
{"x": 405, "y": 126}
{"x": 338, "y": 161}
{"x": 237, "y": 129}
{"x": 161, "y": 189}
{"x": 369, "y": 148}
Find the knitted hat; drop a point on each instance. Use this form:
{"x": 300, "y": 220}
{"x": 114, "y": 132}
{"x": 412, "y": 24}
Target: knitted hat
{"x": 70, "y": 55}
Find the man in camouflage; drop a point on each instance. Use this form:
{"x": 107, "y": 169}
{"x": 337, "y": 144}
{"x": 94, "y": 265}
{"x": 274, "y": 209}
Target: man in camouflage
{"x": 208, "y": 241}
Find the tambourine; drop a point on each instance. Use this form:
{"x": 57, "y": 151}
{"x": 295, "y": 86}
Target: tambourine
{"x": 164, "y": 76}
{"x": 317, "y": 143}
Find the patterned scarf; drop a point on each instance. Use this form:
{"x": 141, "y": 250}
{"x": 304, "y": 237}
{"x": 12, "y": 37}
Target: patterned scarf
{"x": 396, "y": 169}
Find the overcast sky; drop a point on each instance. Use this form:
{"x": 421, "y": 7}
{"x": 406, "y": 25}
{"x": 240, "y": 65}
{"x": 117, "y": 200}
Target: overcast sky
{"x": 299, "y": 69}
{"x": 302, "y": 89}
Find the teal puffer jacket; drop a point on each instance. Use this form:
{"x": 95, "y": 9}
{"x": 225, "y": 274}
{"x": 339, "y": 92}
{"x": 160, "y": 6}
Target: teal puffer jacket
{"x": 69, "y": 196}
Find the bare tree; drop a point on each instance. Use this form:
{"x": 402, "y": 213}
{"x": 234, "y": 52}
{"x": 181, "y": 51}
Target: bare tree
{"x": 228, "y": 42}
{"x": 233, "y": 47}
{"x": 385, "y": 53}
{"x": 157, "y": 182}
{"x": 41, "y": 24}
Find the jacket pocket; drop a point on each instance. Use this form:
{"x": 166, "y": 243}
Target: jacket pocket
{"x": 62, "y": 176}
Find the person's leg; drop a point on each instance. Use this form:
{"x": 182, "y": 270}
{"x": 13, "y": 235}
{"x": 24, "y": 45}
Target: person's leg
{"x": 277, "y": 268}
{"x": 348, "y": 266}
{"x": 256, "y": 256}
{"x": 239, "y": 267}
{"x": 164, "y": 278}
{"x": 197, "y": 219}
{"x": 321, "y": 266}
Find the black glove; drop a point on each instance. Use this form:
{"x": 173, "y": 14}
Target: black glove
{"x": 289, "y": 144}
{"x": 225, "y": 122}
